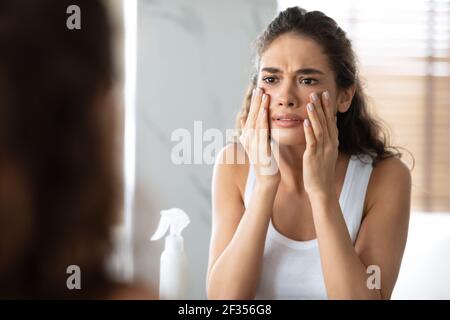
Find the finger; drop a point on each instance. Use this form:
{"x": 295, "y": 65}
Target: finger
{"x": 311, "y": 142}
{"x": 320, "y": 113}
{"x": 263, "y": 130}
{"x": 263, "y": 122}
{"x": 254, "y": 108}
{"x": 327, "y": 107}
{"x": 329, "y": 116}
{"x": 315, "y": 124}
{"x": 267, "y": 158}
{"x": 250, "y": 110}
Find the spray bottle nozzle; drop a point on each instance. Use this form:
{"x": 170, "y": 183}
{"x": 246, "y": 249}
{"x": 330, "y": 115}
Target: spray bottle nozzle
{"x": 174, "y": 218}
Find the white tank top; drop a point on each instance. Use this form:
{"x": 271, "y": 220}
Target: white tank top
{"x": 291, "y": 269}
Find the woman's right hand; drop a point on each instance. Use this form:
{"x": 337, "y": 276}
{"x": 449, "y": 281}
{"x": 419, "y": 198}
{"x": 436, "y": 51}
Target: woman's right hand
{"x": 255, "y": 138}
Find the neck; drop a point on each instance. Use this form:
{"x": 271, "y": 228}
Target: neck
{"x": 290, "y": 163}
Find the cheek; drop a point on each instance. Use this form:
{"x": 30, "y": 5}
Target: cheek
{"x": 264, "y": 86}
{"x": 271, "y": 92}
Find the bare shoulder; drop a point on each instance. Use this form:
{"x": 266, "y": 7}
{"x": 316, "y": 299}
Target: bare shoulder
{"x": 390, "y": 179}
{"x": 232, "y": 165}
{"x": 392, "y": 170}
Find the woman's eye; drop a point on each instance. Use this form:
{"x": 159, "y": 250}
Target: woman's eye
{"x": 269, "y": 79}
{"x": 308, "y": 81}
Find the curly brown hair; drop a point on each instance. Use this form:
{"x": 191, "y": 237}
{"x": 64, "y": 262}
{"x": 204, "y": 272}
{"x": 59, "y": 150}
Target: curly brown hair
{"x": 58, "y": 179}
{"x": 359, "y": 131}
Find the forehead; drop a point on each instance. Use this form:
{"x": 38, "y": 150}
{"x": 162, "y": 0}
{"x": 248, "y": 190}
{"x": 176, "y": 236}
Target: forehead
{"x": 290, "y": 52}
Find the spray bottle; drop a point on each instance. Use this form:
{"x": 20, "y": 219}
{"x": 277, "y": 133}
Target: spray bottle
{"x": 173, "y": 266}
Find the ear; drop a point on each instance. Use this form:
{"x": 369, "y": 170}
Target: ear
{"x": 344, "y": 98}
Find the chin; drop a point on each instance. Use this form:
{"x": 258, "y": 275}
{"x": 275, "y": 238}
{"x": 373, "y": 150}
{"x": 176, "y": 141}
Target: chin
{"x": 288, "y": 137}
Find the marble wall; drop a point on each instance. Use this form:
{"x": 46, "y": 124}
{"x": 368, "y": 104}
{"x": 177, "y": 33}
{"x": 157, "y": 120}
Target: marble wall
{"x": 193, "y": 63}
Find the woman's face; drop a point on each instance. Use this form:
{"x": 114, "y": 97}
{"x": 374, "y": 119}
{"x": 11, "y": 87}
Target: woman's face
{"x": 292, "y": 68}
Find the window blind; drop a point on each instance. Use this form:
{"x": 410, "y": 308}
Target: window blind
{"x": 403, "y": 49}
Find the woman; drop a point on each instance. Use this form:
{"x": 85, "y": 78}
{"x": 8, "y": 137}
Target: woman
{"x": 59, "y": 187}
{"x": 332, "y": 221}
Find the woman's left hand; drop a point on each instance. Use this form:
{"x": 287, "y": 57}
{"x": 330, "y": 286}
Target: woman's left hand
{"x": 319, "y": 159}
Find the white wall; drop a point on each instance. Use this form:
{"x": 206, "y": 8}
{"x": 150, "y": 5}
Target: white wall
{"x": 193, "y": 64}
{"x": 425, "y": 270}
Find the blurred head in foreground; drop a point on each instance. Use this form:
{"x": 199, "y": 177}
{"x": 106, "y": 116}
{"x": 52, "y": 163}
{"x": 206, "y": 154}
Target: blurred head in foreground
{"x": 58, "y": 177}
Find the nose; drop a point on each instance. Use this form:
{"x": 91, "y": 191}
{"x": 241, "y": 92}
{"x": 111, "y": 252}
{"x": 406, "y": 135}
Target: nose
{"x": 287, "y": 98}
{"x": 287, "y": 103}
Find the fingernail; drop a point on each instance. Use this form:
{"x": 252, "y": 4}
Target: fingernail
{"x": 264, "y": 97}
{"x": 326, "y": 95}
{"x": 306, "y": 123}
{"x": 310, "y": 106}
{"x": 258, "y": 91}
{"x": 314, "y": 96}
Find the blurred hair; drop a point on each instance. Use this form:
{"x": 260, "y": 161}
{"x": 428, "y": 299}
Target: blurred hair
{"x": 58, "y": 181}
{"x": 359, "y": 131}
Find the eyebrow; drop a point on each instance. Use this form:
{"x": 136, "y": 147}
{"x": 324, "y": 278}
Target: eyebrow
{"x": 299, "y": 71}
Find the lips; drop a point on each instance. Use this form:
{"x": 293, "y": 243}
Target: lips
{"x": 287, "y": 120}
